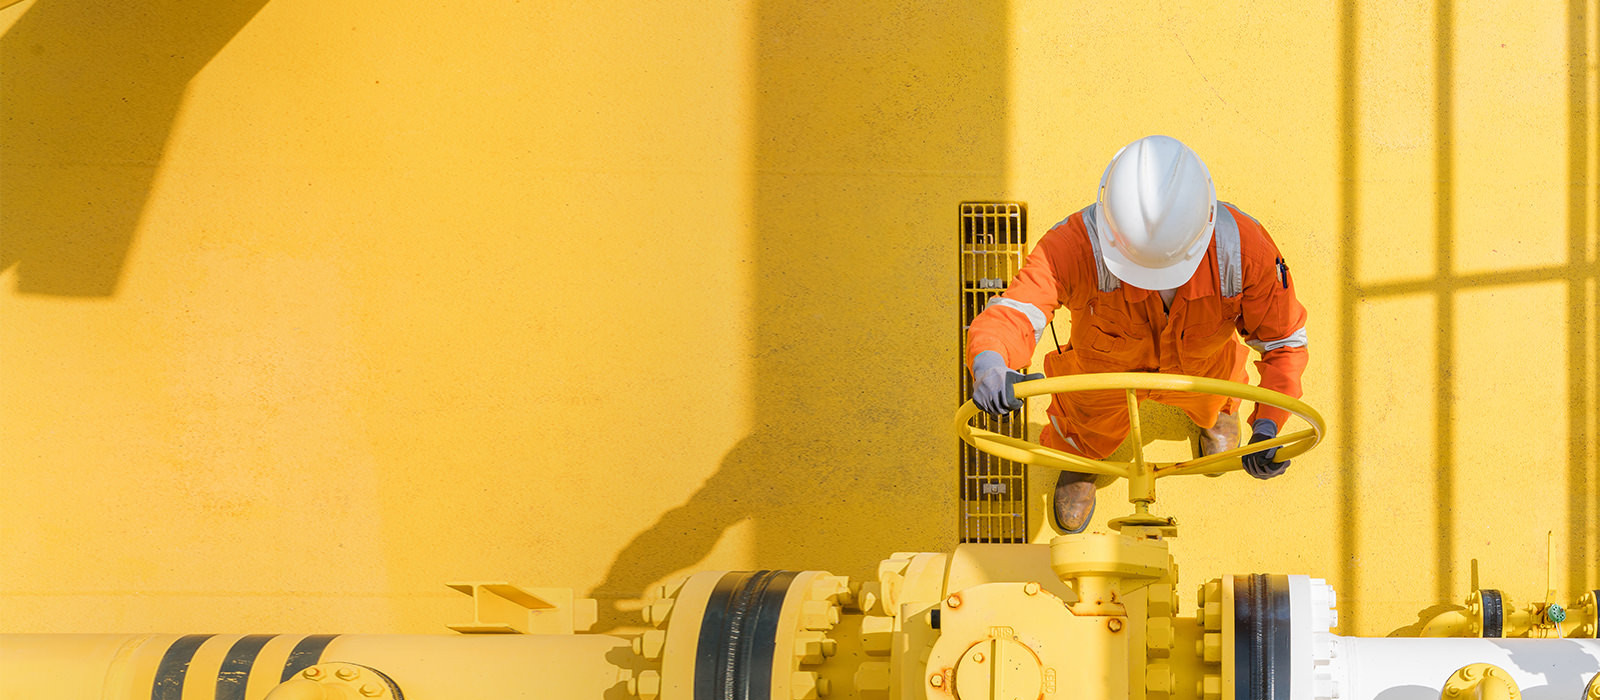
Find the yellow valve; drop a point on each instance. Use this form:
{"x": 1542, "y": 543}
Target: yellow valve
{"x": 1480, "y": 682}
{"x": 1000, "y": 669}
{"x": 1141, "y": 473}
{"x": 1585, "y": 615}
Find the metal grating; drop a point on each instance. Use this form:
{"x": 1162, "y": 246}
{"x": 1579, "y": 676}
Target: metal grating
{"x": 994, "y": 496}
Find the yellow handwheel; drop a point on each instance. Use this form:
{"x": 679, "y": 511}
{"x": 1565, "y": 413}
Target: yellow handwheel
{"x": 1140, "y": 473}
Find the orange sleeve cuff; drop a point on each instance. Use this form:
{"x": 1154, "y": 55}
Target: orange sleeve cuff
{"x": 1280, "y": 371}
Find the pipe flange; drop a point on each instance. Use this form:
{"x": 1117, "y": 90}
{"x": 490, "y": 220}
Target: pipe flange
{"x": 1488, "y": 607}
{"x": 1495, "y": 682}
{"x": 1210, "y": 651}
{"x": 1314, "y": 616}
{"x": 344, "y": 681}
{"x": 1588, "y": 611}
{"x": 820, "y": 599}
{"x": 643, "y": 680}
{"x": 743, "y": 635}
{"x": 1159, "y": 636}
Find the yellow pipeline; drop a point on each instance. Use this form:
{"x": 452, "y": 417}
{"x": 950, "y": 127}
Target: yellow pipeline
{"x": 248, "y": 667}
{"x": 1097, "y": 616}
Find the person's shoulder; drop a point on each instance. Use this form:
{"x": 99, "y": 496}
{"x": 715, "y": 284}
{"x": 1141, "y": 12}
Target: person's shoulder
{"x": 1068, "y": 235}
{"x": 1254, "y": 241}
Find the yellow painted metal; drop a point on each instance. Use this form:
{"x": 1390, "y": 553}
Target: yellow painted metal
{"x": 1101, "y": 568}
{"x": 1449, "y": 623}
{"x": 972, "y": 564}
{"x": 1006, "y": 640}
{"x": 1094, "y": 614}
{"x": 1480, "y": 681}
{"x": 502, "y": 608}
{"x": 116, "y": 667}
{"x": 1228, "y": 678}
{"x": 999, "y": 668}
{"x": 296, "y": 351}
{"x": 1586, "y": 614}
{"x": 672, "y": 676}
{"x": 337, "y": 681}
{"x": 993, "y": 500}
{"x": 1535, "y": 620}
{"x": 1141, "y": 477}
{"x": 1140, "y": 473}
{"x": 80, "y": 665}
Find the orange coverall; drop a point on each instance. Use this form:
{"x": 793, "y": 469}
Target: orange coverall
{"x": 1127, "y": 330}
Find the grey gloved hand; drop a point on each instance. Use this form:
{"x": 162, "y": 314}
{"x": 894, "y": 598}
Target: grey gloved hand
{"x": 1260, "y": 464}
{"x": 991, "y": 383}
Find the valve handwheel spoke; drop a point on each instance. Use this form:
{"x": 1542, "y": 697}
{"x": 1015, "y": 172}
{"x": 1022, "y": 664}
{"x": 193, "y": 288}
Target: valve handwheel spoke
{"x": 1142, "y": 472}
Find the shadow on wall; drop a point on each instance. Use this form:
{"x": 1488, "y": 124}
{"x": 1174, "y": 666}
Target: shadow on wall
{"x": 869, "y": 121}
{"x": 1445, "y": 285}
{"x": 749, "y": 484}
{"x": 87, "y": 101}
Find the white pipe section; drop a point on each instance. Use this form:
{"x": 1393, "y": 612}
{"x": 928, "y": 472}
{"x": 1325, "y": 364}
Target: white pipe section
{"x": 1326, "y": 666}
{"x": 1416, "y": 668}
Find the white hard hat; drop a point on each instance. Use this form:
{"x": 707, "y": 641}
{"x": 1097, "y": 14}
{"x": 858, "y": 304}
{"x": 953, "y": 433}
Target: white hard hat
{"x": 1156, "y": 212}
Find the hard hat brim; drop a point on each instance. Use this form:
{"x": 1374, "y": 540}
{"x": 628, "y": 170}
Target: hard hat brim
{"x": 1169, "y": 277}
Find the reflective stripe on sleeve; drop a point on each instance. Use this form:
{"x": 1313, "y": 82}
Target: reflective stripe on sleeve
{"x": 1296, "y": 339}
{"x": 1035, "y": 316}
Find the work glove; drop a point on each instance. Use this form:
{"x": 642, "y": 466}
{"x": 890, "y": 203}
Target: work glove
{"x": 1260, "y": 464}
{"x": 991, "y": 383}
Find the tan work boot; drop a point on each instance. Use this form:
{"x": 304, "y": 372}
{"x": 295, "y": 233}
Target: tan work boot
{"x": 1074, "y": 502}
{"x": 1221, "y": 436}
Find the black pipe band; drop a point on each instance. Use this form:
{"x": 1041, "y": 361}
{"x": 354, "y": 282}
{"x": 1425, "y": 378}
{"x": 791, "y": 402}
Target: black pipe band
{"x": 306, "y": 654}
{"x": 1261, "y": 625}
{"x": 174, "y": 667}
{"x": 1494, "y": 616}
{"x": 234, "y": 674}
{"x": 738, "y": 636}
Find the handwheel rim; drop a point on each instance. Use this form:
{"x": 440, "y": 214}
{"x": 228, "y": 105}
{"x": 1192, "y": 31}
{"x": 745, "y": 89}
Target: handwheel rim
{"x": 1005, "y": 447}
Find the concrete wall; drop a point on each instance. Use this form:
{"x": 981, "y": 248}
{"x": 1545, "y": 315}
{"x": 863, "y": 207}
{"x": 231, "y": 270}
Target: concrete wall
{"x": 309, "y": 307}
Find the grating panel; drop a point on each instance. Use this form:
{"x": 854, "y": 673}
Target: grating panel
{"x": 993, "y": 242}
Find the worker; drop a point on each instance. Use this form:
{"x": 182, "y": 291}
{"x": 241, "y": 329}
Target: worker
{"x": 1158, "y": 276}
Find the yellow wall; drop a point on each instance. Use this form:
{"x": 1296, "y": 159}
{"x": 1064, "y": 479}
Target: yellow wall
{"x": 309, "y": 307}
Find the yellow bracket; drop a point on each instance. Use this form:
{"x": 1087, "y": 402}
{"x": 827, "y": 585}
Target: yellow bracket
{"x": 502, "y": 608}
{"x": 1142, "y": 473}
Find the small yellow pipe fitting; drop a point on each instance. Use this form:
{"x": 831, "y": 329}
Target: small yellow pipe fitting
{"x": 1480, "y": 682}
